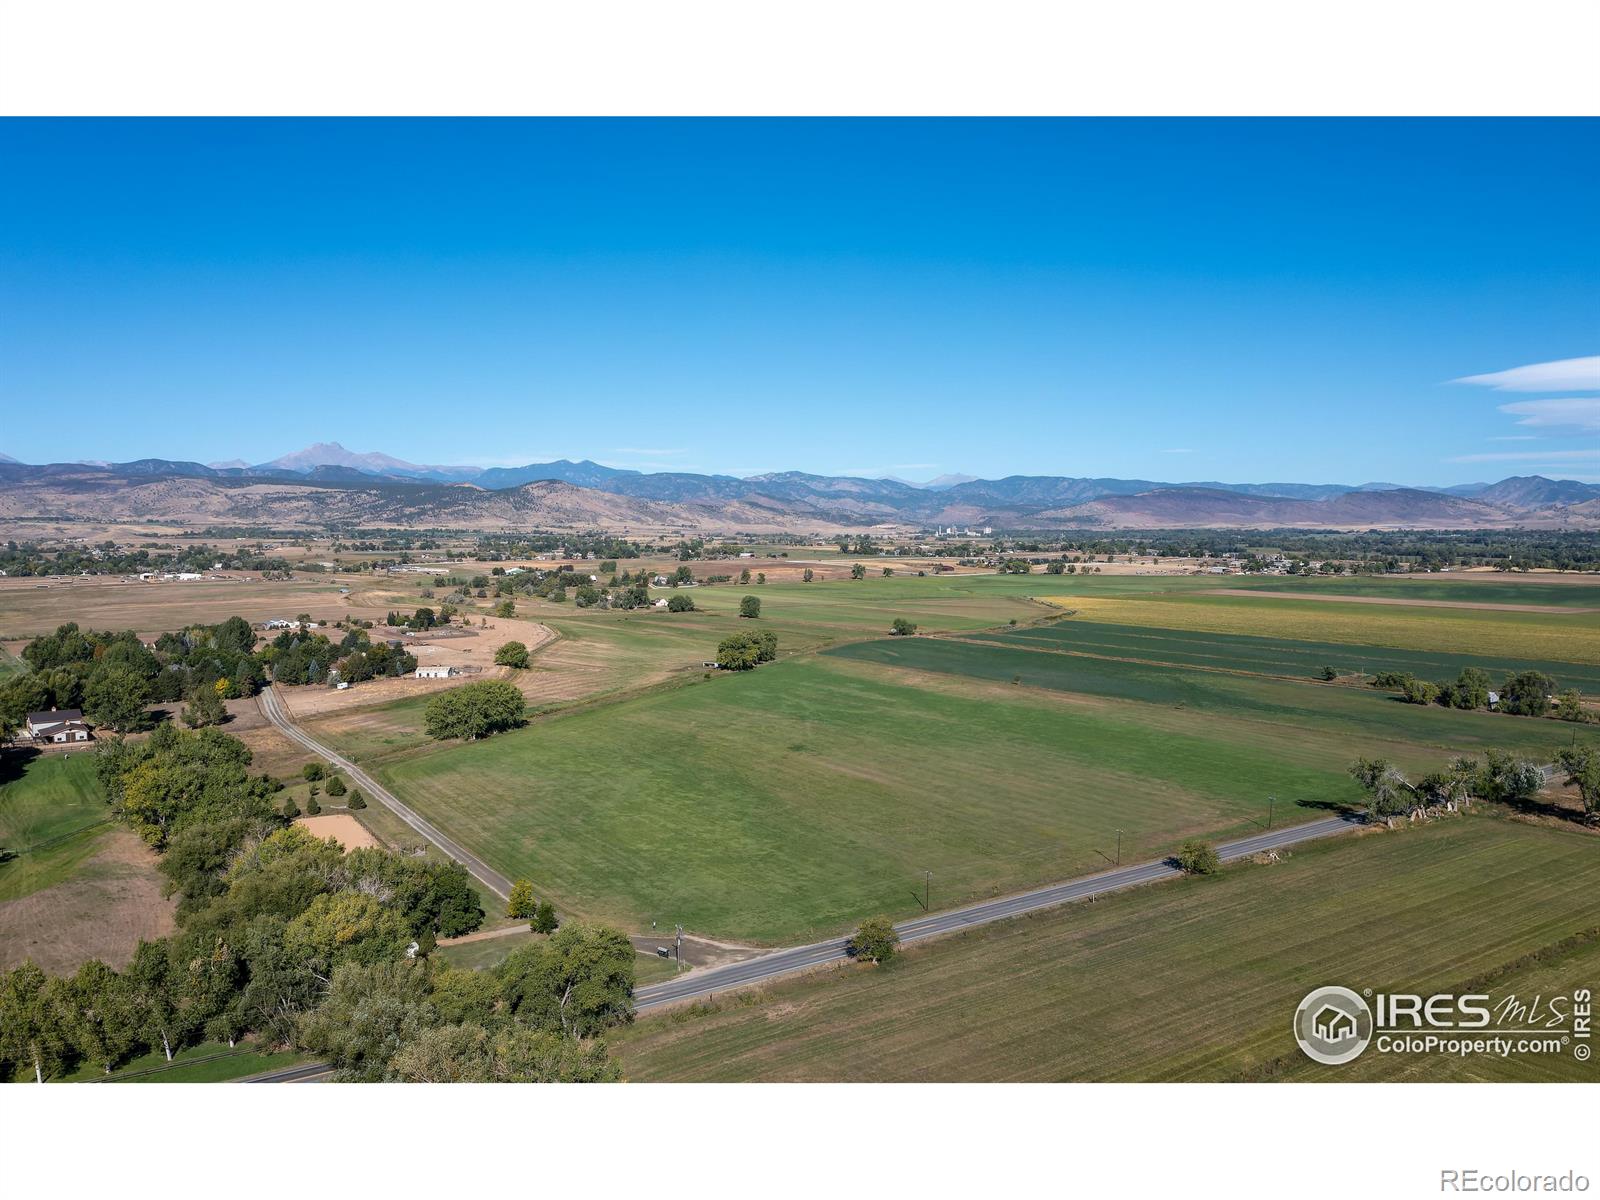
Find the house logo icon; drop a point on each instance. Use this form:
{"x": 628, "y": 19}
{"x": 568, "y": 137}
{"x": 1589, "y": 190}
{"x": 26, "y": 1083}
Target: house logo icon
{"x": 1333, "y": 1025}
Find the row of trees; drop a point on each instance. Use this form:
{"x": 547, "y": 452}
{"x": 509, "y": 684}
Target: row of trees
{"x": 1499, "y": 777}
{"x": 335, "y": 980}
{"x": 267, "y": 916}
{"x": 115, "y": 678}
{"x": 1524, "y": 694}
{"x": 537, "y": 1017}
{"x": 309, "y": 658}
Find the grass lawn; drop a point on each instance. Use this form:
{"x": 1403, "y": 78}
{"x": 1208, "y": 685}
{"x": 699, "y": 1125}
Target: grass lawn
{"x": 1191, "y": 980}
{"x": 10, "y": 664}
{"x": 208, "y": 1062}
{"x": 486, "y": 953}
{"x": 52, "y": 816}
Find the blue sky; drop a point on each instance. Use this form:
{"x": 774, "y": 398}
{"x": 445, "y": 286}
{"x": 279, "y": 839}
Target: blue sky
{"x": 1194, "y": 299}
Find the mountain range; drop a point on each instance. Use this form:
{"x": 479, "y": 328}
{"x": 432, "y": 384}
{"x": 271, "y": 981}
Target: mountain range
{"x": 327, "y": 484}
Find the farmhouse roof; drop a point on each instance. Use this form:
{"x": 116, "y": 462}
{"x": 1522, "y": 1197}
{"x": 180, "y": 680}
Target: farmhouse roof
{"x": 55, "y": 716}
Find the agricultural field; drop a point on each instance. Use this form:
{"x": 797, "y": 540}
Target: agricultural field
{"x": 786, "y": 803}
{"x": 29, "y": 607}
{"x": 1273, "y": 712}
{"x": 789, "y": 802}
{"x": 1558, "y": 634}
{"x": 601, "y": 655}
{"x": 1087, "y": 992}
{"x": 1545, "y": 591}
{"x": 1274, "y": 656}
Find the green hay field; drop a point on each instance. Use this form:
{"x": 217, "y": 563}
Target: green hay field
{"x": 1189, "y": 980}
{"x": 789, "y": 802}
{"x": 1360, "y": 719}
{"x": 1555, "y": 635}
{"x": 1275, "y": 656}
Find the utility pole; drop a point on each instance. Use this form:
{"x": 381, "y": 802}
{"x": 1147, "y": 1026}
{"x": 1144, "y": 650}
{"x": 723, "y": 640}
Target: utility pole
{"x": 1119, "y": 847}
{"x": 927, "y": 884}
{"x": 1271, "y": 800}
{"x": 680, "y": 947}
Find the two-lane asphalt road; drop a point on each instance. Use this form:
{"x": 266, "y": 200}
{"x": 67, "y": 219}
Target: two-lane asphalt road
{"x": 272, "y": 707}
{"x": 699, "y": 984}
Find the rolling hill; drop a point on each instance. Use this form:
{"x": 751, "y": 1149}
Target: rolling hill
{"x": 301, "y": 490}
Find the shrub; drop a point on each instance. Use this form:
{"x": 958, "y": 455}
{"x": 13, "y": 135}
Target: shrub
{"x": 902, "y": 628}
{"x": 291, "y": 810}
{"x": 312, "y": 807}
{"x": 1328, "y": 673}
{"x": 336, "y": 785}
{"x": 311, "y": 772}
{"x": 750, "y": 606}
{"x": 357, "y": 800}
{"x": 680, "y": 603}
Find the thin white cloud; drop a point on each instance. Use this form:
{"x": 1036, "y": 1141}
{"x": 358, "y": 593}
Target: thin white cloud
{"x": 1515, "y": 437}
{"x": 1574, "y": 412}
{"x": 1532, "y": 456}
{"x": 646, "y": 453}
{"x": 1564, "y": 375}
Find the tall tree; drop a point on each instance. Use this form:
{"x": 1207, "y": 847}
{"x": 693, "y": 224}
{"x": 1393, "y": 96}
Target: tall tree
{"x": 154, "y": 993}
{"x": 33, "y": 1009}
{"x": 116, "y": 697}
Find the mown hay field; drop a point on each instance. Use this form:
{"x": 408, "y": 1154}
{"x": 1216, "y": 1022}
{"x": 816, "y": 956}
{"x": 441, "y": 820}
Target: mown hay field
{"x": 1556, "y": 635}
{"x": 1196, "y": 979}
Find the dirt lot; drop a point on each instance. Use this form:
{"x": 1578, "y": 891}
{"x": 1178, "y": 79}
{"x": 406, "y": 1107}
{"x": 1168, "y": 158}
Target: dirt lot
{"x": 441, "y": 649}
{"x": 271, "y": 752}
{"x": 351, "y": 833}
{"x": 103, "y": 913}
